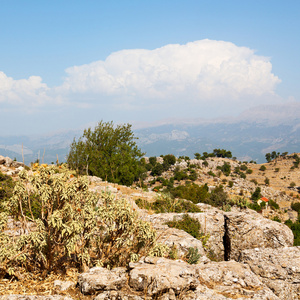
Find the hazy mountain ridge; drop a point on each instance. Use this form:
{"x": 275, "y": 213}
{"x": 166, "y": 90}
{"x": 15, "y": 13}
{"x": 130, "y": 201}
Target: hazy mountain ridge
{"x": 246, "y": 140}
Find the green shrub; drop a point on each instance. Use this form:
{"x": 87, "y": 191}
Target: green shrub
{"x": 262, "y": 168}
{"x": 243, "y": 167}
{"x": 273, "y": 204}
{"x": 256, "y": 194}
{"x": 193, "y": 256}
{"x": 243, "y": 175}
{"x": 188, "y": 224}
{"x": 292, "y": 184}
{"x": 226, "y": 169}
{"x": 166, "y": 203}
{"x": 192, "y": 192}
{"x": 157, "y": 170}
{"x": 205, "y": 163}
{"x": 295, "y": 227}
{"x": 6, "y": 189}
{"x": 211, "y": 173}
{"x": 71, "y": 230}
{"x": 193, "y": 175}
{"x": 296, "y": 206}
{"x": 218, "y": 197}
{"x": 180, "y": 175}
{"x": 249, "y": 171}
{"x": 277, "y": 219}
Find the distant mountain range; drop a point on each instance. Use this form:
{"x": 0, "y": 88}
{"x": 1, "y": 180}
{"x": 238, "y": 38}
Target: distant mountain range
{"x": 247, "y": 140}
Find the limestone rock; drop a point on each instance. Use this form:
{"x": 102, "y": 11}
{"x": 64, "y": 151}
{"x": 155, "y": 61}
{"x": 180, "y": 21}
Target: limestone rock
{"x": 278, "y": 268}
{"x": 2, "y": 160}
{"x": 249, "y": 230}
{"x": 231, "y": 279}
{"x": 173, "y": 237}
{"x": 101, "y": 279}
{"x": 17, "y": 164}
{"x": 212, "y": 226}
{"x": 155, "y": 276}
{"x": 8, "y": 161}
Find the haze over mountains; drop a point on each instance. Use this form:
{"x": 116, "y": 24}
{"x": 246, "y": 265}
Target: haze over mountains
{"x": 248, "y": 137}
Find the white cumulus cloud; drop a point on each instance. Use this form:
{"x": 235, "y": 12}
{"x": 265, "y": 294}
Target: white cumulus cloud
{"x": 200, "y": 71}
{"x": 29, "y": 91}
{"x": 203, "y": 77}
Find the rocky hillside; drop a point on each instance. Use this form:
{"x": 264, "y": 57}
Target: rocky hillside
{"x": 236, "y": 254}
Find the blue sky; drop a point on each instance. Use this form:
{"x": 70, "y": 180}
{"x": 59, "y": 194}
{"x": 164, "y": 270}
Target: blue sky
{"x": 67, "y": 64}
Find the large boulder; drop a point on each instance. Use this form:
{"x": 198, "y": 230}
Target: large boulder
{"x": 231, "y": 279}
{"x": 249, "y": 230}
{"x": 101, "y": 279}
{"x": 156, "y": 276}
{"x": 212, "y": 227}
{"x": 175, "y": 238}
{"x": 278, "y": 268}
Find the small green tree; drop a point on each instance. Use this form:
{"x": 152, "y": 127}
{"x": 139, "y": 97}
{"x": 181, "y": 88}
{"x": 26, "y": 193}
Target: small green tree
{"x": 109, "y": 152}
{"x": 256, "y": 194}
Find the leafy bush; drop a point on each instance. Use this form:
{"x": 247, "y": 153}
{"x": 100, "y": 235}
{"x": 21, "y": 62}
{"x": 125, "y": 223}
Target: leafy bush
{"x": 296, "y": 206}
{"x": 292, "y": 184}
{"x": 249, "y": 171}
{"x": 256, "y": 194}
{"x": 192, "y": 192}
{"x": 188, "y": 224}
{"x": 6, "y": 189}
{"x": 193, "y": 256}
{"x": 193, "y": 175}
{"x": 211, "y": 173}
{"x": 180, "y": 175}
{"x": 243, "y": 175}
{"x": 262, "y": 168}
{"x": 157, "y": 170}
{"x": 276, "y": 219}
{"x": 226, "y": 169}
{"x": 218, "y": 197}
{"x": 166, "y": 203}
{"x": 170, "y": 159}
{"x": 75, "y": 228}
{"x": 244, "y": 167}
{"x": 273, "y": 204}
{"x": 255, "y": 206}
{"x": 295, "y": 227}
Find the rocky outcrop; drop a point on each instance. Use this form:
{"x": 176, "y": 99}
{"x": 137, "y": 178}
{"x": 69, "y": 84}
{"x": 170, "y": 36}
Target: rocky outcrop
{"x": 249, "y": 230}
{"x": 279, "y": 269}
{"x": 164, "y": 279}
{"x": 156, "y": 276}
{"x": 232, "y": 279}
{"x": 101, "y": 279}
{"x": 226, "y": 233}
